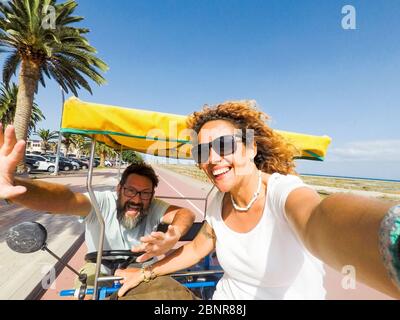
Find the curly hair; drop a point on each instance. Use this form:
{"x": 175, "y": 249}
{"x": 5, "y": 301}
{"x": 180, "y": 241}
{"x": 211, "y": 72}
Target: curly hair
{"x": 274, "y": 154}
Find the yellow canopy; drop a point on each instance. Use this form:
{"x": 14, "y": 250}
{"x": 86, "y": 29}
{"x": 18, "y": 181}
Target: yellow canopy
{"x": 155, "y": 133}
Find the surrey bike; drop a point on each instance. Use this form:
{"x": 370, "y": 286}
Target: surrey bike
{"x": 155, "y": 133}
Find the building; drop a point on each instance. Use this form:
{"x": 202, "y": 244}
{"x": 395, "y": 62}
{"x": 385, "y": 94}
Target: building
{"x": 34, "y": 146}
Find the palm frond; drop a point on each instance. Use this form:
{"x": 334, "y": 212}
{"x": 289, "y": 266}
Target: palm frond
{"x": 10, "y": 66}
{"x": 8, "y": 106}
{"x": 63, "y": 53}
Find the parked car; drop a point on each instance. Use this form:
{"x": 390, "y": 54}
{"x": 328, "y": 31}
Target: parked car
{"x": 31, "y": 164}
{"x": 35, "y": 157}
{"x": 82, "y": 164}
{"x": 75, "y": 165}
{"x": 43, "y": 163}
{"x": 96, "y": 162}
{"x": 108, "y": 163}
{"x": 62, "y": 165}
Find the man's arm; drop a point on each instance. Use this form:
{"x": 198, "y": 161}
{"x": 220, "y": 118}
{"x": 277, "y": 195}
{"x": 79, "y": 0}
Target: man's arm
{"x": 158, "y": 243}
{"x": 343, "y": 230}
{"x": 181, "y": 218}
{"x": 51, "y": 197}
{"x": 34, "y": 194}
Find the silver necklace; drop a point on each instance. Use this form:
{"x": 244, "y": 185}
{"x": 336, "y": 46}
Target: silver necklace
{"x": 255, "y": 196}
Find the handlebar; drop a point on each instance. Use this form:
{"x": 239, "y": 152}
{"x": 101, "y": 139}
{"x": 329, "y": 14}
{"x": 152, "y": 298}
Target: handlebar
{"x": 75, "y": 292}
{"x": 103, "y": 291}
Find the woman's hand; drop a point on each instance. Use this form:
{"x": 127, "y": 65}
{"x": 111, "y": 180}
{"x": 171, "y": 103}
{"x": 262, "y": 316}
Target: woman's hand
{"x": 157, "y": 243}
{"x": 11, "y": 153}
{"x": 132, "y": 278}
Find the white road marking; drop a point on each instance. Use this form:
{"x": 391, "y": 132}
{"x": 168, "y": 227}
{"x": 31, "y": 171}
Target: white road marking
{"x": 190, "y": 202}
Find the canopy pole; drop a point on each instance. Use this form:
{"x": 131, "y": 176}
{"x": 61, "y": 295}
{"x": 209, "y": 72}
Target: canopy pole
{"x": 119, "y": 163}
{"x": 100, "y": 219}
{"x": 56, "y": 169}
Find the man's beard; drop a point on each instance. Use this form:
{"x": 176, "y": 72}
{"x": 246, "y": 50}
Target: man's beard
{"x": 129, "y": 222}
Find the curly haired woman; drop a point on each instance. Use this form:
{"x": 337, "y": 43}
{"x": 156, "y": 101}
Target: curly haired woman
{"x": 271, "y": 232}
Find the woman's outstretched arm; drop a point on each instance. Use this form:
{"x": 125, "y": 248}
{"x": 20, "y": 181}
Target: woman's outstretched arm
{"x": 344, "y": 230}
{"x": 184, "y": 257}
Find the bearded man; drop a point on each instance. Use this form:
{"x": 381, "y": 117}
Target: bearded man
{"x": 131, "y": 213}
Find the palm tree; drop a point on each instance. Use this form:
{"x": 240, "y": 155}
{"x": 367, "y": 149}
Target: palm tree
{"x": 53, "y": 146}
{"x": 82, "y": 145}
{"x": 39, "y": 37}
{"x": 8, "y": 105}
{"x": 104, "y": 151}
{"x": 67, "y": 141}
{"x": 131, "y": 156}
{"x": 46, "y": 136}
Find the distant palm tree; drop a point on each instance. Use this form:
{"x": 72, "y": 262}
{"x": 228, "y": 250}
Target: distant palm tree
{"x": 104, "y": 151}
{"x": 53, "y": 147}
{"x": 67, "y": 141}
{"x": 39, "y": 37}
{"x": 8, "y": 105}
{"x": 82, "y": 145}
{"x": 131, "y": 156}
{"x": 46, "y": 136}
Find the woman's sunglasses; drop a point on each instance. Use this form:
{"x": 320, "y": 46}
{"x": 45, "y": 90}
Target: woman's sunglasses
{"x": 224, "y": 146}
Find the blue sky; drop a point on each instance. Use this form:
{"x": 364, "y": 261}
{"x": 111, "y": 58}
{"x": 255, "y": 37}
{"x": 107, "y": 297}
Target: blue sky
{"x": 292, "y": 56}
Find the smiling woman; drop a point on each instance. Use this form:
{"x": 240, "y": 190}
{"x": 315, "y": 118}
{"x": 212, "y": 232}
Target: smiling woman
{"x": 272, "y": 232}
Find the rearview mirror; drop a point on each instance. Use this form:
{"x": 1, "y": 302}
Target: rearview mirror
{"x": 26, "y": 237}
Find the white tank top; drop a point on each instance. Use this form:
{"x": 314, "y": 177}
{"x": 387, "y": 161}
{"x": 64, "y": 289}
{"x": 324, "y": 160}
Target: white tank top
{"x": 269, "y": 262}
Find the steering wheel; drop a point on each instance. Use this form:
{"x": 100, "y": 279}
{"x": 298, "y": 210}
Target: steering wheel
{"x": 114, "y": 263}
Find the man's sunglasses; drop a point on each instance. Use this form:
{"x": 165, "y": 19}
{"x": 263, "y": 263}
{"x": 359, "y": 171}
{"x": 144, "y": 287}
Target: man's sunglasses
{"x": 132, "y": 192}
{"x": 224, "y": 146}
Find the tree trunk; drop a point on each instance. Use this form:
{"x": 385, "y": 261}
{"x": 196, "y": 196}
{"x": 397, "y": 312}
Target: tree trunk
{"x": 102, "y": 158}
{"x": 28, "y": 80}
{"x": 53, "y": 148}
{"x": 43, "y": 147}
{"x": 67, "y": 146}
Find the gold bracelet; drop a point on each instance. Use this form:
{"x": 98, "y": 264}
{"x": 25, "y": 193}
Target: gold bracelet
{"x": 152, "y": 274}
{"x": 145, "y": 279}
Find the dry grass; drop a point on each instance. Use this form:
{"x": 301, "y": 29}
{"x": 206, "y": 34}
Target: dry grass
{"x": 342, "y": 183}
{"x": 354, "y": 184}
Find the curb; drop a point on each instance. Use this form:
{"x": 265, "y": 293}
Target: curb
{"x": 38, "y": 292}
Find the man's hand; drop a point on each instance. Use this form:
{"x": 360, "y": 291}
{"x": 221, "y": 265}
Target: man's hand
{"x": 157, "y": 243}
{"x": 11, "y": 153}
{"x": 132, "y": 278}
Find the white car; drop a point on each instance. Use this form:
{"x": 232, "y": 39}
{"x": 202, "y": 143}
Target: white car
{"x": 44, "y": 164}
{"x": 108, "y": 163}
